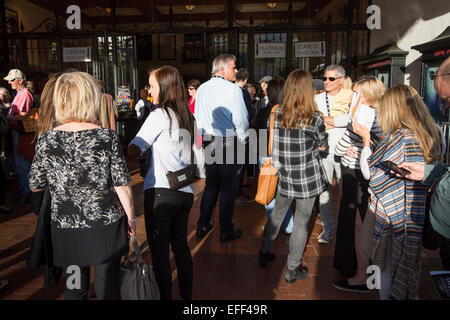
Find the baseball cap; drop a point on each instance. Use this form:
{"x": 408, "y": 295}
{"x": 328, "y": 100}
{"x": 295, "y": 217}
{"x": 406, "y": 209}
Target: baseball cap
{"x": 265, "y": 79}
{"x": 14, "y": 74}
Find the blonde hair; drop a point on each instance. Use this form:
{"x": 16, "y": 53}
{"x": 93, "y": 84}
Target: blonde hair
{"x": 347, "y": 83}
{"x": 372, "y": 88}
{"x": 298, "y": 105}
{"x": 46, "y": 120}
{"x": 76, "y": 98}
{"x": 402, "y": 107}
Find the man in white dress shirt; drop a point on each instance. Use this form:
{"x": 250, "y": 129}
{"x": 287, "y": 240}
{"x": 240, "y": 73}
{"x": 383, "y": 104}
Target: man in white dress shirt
{"x": 333, "y": 78}
{"x": 222, "y": 119}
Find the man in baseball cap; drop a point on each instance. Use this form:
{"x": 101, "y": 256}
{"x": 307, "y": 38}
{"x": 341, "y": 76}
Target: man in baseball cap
{"x": 14, "y": 74}
{"x": 20, "y": 106}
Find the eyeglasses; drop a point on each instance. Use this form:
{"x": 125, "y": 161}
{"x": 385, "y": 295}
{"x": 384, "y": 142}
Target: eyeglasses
{"x": 330, "y": 78}
{"x": 433, "y": 75}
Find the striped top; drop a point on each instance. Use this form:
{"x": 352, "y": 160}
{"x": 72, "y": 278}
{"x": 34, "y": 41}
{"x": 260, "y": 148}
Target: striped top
{"x": 352, "y": 139}
{"x": 399, "y": 207}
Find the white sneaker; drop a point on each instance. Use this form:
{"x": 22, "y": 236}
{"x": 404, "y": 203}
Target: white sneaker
{"x": 325, "y": 237}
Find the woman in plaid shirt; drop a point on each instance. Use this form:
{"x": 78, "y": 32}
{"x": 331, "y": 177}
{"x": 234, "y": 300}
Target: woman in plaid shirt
{"x": 299, "y": 132}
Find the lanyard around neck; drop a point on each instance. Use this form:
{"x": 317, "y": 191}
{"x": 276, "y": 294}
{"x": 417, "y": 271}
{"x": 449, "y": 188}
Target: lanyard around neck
{"x": 216, "y": 76}
{"x": 328, "y": 104}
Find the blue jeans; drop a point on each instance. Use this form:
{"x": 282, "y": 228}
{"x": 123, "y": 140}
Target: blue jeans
{"x": 21, "y": 165}
{"x": 288, "y": 222}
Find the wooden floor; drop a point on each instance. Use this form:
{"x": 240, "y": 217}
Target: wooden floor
{"x": 221, "y": 271}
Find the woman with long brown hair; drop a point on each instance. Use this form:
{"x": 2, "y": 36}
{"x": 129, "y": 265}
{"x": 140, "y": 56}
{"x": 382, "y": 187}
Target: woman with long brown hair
{"x": 169, "y": 132}
{"x": 397, "y": 206}
{"x": 299, "y": 131}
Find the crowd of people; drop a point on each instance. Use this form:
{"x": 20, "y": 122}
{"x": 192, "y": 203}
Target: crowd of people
{"x": 78, "y": 168}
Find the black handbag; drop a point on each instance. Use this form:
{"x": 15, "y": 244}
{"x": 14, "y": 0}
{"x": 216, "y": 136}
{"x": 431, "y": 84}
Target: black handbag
{"x": 137, "y": 280}
{"x": 180, "y": 178}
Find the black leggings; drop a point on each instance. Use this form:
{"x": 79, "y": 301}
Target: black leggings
{"x": 166, "y": 221}
{"x": 354, "y": 196}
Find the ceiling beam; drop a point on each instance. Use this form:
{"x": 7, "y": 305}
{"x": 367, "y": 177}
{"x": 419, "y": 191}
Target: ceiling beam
{"x": 201, "y": 17}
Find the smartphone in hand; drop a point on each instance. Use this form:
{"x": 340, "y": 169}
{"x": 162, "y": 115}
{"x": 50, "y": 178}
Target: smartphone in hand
{"x": 374, "y": 138}
{"x": 392, "y": 166}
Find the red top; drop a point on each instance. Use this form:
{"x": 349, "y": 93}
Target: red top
{"x": 191, "y": 104}
{"x": 23, "y": 102}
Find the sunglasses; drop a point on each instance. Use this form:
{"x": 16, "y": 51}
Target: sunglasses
{"x": 433, "y": 75}
{"x": 191, "y": 88}
{"x": 330, "y": 78}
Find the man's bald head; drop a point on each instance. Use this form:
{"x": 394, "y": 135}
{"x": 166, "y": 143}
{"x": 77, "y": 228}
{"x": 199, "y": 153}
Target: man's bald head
{"x": 442, "y": 83}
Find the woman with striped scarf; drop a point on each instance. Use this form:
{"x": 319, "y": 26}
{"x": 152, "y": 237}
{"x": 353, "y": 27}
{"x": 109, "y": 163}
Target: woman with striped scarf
{"x": 394, "y": 220}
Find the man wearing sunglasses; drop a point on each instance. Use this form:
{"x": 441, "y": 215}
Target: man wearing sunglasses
{"x": 333, "y": 78}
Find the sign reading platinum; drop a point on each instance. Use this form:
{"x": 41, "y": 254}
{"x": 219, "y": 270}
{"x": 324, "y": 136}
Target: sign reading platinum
{"x": 270, "y": 50}
{"x": 77, "y": 54}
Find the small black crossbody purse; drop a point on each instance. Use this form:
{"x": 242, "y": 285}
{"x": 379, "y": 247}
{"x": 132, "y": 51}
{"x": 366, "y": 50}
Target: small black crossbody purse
{"x": 180, "y": 178}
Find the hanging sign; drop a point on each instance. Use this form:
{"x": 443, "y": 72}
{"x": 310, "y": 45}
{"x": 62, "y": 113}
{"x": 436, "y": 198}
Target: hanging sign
{"x": 270, "y": 50}
{"x": 310, "y": 49}
{"x": 77, "y": 54}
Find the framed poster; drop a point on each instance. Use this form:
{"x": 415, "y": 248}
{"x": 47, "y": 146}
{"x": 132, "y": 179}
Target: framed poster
{"x": 167, "y": 46}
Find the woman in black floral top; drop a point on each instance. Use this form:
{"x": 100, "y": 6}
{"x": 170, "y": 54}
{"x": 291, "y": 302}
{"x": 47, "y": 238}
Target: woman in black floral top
{"x": 84, "y": 168}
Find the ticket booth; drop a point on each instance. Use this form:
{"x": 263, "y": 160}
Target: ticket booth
{"x": 387, "y": 63}
{"x": 434, "y": 53}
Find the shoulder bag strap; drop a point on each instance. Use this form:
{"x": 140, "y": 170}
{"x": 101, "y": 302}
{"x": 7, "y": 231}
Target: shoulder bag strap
{"x": 272, "y": 120}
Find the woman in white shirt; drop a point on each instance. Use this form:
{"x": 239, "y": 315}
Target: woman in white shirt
{"x": 348, "y": 258}
{"x": 168, "y": 133}
{"x": 142, "y": 107}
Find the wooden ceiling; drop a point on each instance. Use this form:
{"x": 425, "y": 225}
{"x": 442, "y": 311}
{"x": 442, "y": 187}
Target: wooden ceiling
{"x": 164, "y": 11}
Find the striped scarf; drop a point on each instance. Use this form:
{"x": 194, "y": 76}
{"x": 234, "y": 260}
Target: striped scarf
{"x": 399, "y": 206}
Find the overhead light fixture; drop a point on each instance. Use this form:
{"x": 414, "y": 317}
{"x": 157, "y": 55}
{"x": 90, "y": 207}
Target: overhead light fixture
{"x": 189, "y": 7}
{"x": 272, "y": 5}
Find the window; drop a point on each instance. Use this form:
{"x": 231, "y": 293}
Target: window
{"x": 193, "y": 47}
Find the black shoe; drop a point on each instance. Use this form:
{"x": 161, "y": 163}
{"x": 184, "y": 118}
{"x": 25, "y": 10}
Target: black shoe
{"x": 203, "y": 231}
{"x": 343, "y": 285}
{"x": 265, "y": 258}
{"x": 235, "y": 234}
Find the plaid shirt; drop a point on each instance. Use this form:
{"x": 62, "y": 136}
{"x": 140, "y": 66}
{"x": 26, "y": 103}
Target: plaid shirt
{"x": 296, "y": 156}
